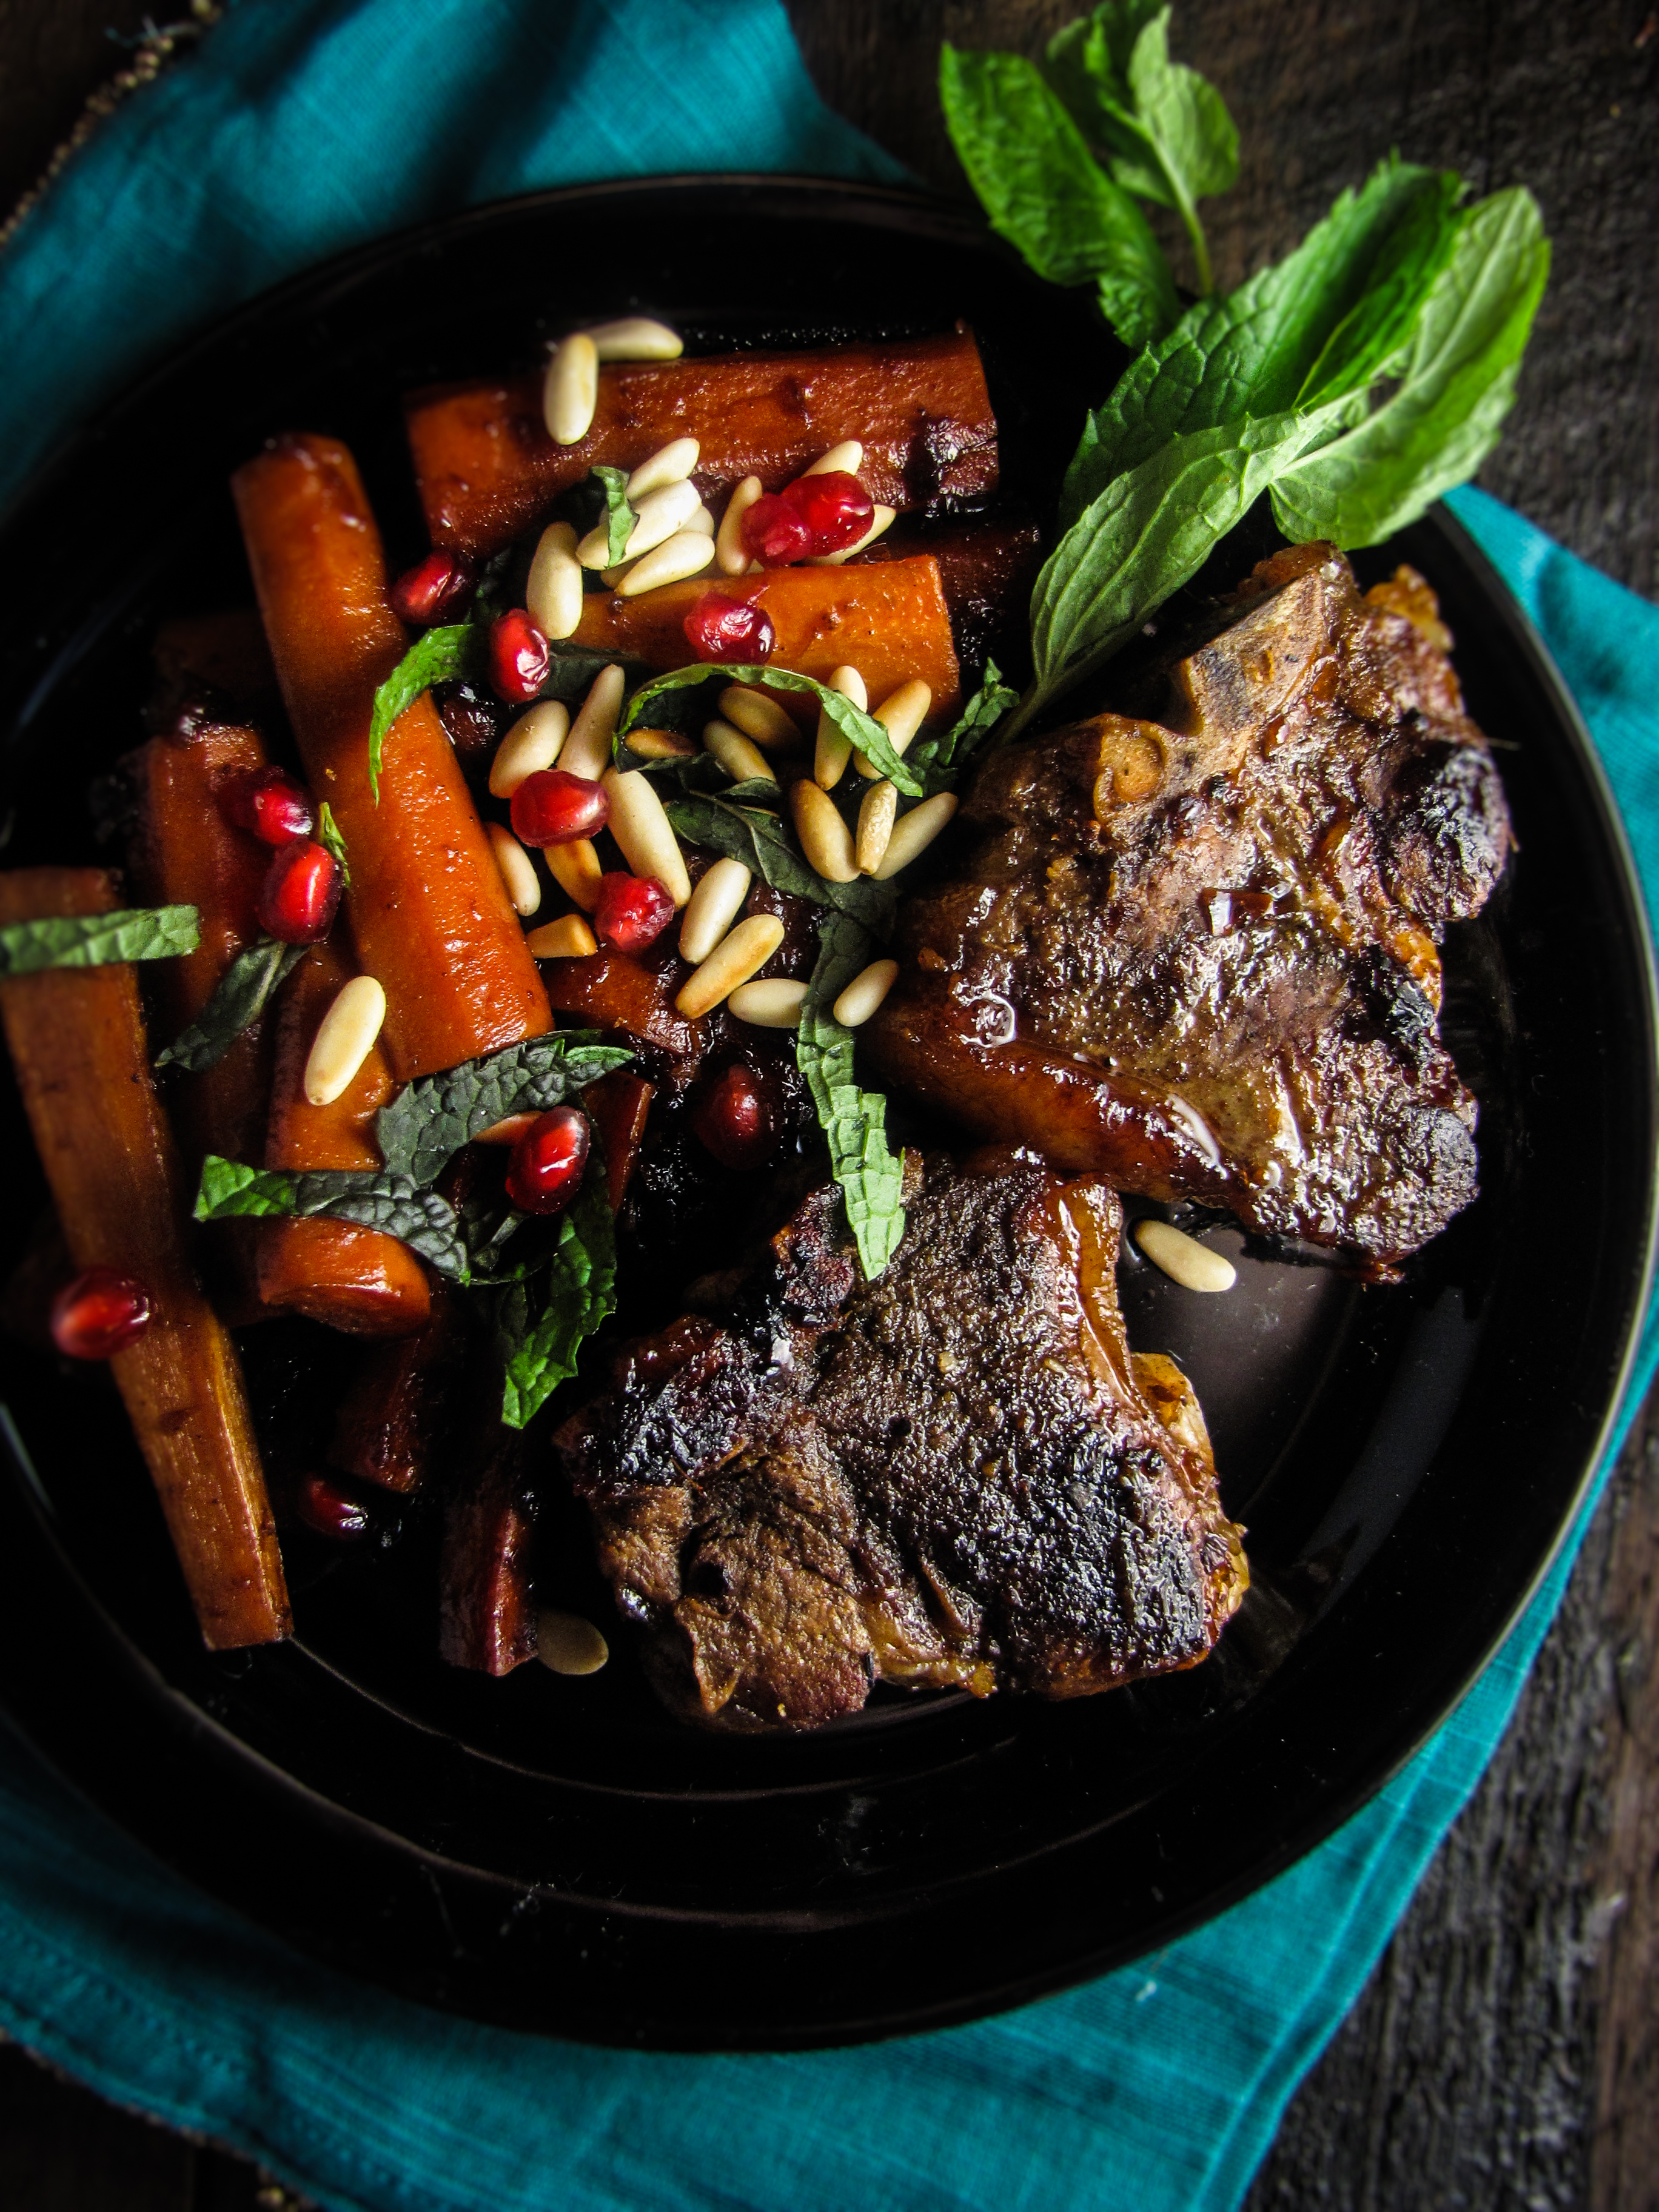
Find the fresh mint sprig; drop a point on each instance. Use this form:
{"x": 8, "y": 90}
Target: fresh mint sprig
{"x": 98, "y": 940}
{"x": 543, "y": 1319}
{"x": 619, "y": 516}
{"x": 423, "y": 1127}
{"x": 243, "y": 992}
{"x": 855, "y": 1122}
{"x": 866, "y": 734}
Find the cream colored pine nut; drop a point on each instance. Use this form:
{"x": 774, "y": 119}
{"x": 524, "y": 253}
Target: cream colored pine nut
{"x": 878, "y": 810}
{"x": 592, "y": 734}
{"x": 712, "y": 908}
{"x": 688, "y": 553}
{"x": 913, "y": 832}
{"x": 645, "y": 832}
{"x": 656, "y": 520}
{"x": 344, "y": 1039}
{"x": 569, "y": 938}
{"x": 773, "y": 1005}
{"x": 824, "y": 837}
{"x": 533, "y": 744}
{"x": 729, "y": 550}
{"x": 901, "y": 714}
{"x": 846, "y": 458}
{"x": 567, "y": 1644}
{"x": 1183, "y": 1259}
{"x": 635, "y": 338}
{"x": 882, "y": 518}
{"x": 834, "y": 748}
{"x": 661, "y": 745}
{"x": 734, "y": 961}
{"x": 757, "y": 716}
{"x": 524, "y": 885}
{"x": 575, "y": 867}
{"x": 667, "y": 465}
{"x": 740, "y": 759}
{"x": 572, "y": 389}
{"x": 553, "y": 595}
{"x": 701, "y": 520}
{"x": 865, "y": 994}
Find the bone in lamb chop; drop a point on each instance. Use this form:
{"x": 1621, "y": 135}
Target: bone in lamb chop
{"x": 955, "y": 1474}
{"x": 1196, "y": 951}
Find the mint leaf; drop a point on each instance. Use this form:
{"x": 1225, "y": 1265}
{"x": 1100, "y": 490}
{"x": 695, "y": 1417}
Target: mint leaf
{"x": 939, "y": 761}
{"x": 437, "y": 655}
{"x": 854, "y": 1121}
{"x": 620, "y": 517}
{"x": 867, "y": 733}
{"x": 331, "y": 838}
{"x": 428, "y": 1122}
{"x": 366, "y": 1197}
{"x": 242, "y": 994}
{"x": 98, "y": 940}
{"x": 541, "y": 1322}
{"x": 766, "y": 845}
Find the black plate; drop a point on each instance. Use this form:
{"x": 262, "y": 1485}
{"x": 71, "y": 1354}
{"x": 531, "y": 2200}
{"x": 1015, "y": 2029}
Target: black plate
{"x": 558, "y": 1855}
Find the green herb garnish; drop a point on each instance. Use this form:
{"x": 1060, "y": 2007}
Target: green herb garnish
{"x": 542, "y": 1320}
{"x": 437, "y": 656}
{"x": 98, "y": 940}
{"x": 619, "y": 516}
{"x": 853, "y": 1121}
{"x": 367, "y": 1198}
{"x": 867, "y": 733}
{"x": 766, "y": 844}
{"x": 429, "y": 1121}
{"x": 243, "y": 992}
{"x": 331, "y": 838}
{"x": 939, "y": 761}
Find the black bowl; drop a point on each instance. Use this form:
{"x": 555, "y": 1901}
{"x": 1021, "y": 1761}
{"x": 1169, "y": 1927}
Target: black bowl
{"x": 560, "y": 1855}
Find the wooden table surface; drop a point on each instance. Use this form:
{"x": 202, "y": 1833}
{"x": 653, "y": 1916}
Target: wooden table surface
{"x": 1506, "y": 2051}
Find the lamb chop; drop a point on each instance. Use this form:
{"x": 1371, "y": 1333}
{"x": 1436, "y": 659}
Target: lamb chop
{"x": 957, "y": 1474}
{"x": 1194, "y": 949}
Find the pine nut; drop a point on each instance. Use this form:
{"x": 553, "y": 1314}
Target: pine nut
{"x": 505, "y": 1133}
{"x": 667, "y": 465}
{"x": 524, "y": 885}
{"x": 865, "y": 994}
{"x": 531, "y": 744}
{"x": 645, "y": 832}
{"x": 587, "y": 749}
{"x": 635, "y": 338}
{"x": 773, "y": 1005}
{"x": 569, "y": 938}
{"x": 878, "y": 810}
{"x": 729, "y": 550}
{"x": 848, "y": 457}
{"x": 834, "y": 750}
{"x": 714, "y": 906}
{"x": 757, "y": 716}
{"x": 740, "y": 759}
{"x": 661, "y": 745}
{"x": 567, "y": 1644}
{"x": 734, "y": 961}
{"x": 1183, "y": 1259}
{"x": 572, "y": 389}
{"x": 345, "y": 1037}
{"x": 824, "y": 837}
{"x": 553, "y": 595}
{"x": 575, "y": 869}
{"x": 882, "y": 518}
{"x": 701, "y": 520}
{"x": 688, "y": 553}
{"x": 900, "y": 715}
{"x": 913, "y": 833}
{"x": 656, "y": 518}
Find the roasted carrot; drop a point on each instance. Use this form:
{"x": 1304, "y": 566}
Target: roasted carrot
{"x": 617, "y": 1105}
{"x": 352, "y": 1279}
{"x": 427, "y": 910}
{"x": 78, "y": 1043}
{"x": 613, "y": 991}
{"x": 486, "y": 1617}
{"x": 393, "y": 1416}
{"x": 488, "y": 469}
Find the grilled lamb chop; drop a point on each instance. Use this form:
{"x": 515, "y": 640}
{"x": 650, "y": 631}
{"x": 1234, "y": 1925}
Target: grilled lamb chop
{"x": 1197, "y": 954}
{"x": 955, "y": 1474}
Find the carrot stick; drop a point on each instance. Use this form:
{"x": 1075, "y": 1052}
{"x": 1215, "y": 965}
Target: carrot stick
{"x": 78, "y": 1042}
{"x": 617, "y": 1105}
{"x": 427, "y": 910}
{"x": 488, "y": 469}
{"x": 393, "y": 1415}
{"x": 486, "y": 1618}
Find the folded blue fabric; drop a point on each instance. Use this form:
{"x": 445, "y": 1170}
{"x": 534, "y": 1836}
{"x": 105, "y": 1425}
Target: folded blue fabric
{"x": 305, "y": 126}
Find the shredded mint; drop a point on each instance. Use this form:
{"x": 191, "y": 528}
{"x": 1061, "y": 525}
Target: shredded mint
{"x": 331, "y": 838}
{"x": 867, "y": 733}
{"x": 766, "y": 845}
{"x": 98, "y": 940}
{"x": 244, "y": 991}
{"x": 939, "y": 761}
{"x": 542, "y": 1320}
{"x": 429, "y": 1121}
{"x": 619, "y": 516}
{"x": 853, "y": 1121}
{"x": 366, "y": 1197}
{"x": 437, "y": 656}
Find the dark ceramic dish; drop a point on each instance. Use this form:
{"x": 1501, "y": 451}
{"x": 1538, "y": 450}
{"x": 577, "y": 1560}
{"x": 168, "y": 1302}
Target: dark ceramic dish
{"x": 559, "y": 1855}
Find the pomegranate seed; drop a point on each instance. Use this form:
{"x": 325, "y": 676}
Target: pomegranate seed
{"x": 472, "y": 721}
{"x": 552, "y": 807}
{"x": 269, "y": 803}
{"x": 631, "y": 911}
{"x": 433, "y": 590}
{"x": 736, "y": 1121}
{"x": 330, "y": 1510}
{"x": 518, "y": 656}
{"x": 775, "y": 532}
{"x": 835, "y": 507}
{"x": 723, "y": 627}
{"x": 545, "y": 1170}
{"x": 99, "y": 1313}
{"x": 301, "y": 891}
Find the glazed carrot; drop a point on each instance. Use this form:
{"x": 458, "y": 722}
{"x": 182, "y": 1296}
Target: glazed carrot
{"x": 617, "y": 1105}
{"x": 78, "y": 1044}
{"x": 392, "y": 1417}
{"x": 488, "y": 469}
{"x": 888, "y": 620}
{"x": 613, "y": 991}
{"x": 353, "y": 1279}
{"x": 428, "y": 913}
{"x": 486, "y": 1618}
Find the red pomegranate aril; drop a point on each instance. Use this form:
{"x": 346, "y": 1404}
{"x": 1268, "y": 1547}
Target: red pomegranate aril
{"x": 518, "y": 656}
{"x": 300, "y": 895}
{"x": 834, "y": 508}
{"x": 99, "y": 1313}
{"x": 632, "y": 911}
{"x": 434, "y": 590}
{"x": 774, "y": 532}
{"x": 473, "y": 721}
{"x": 553, "y": 807}
{"x": 723, "y": 627}
{"x": 330, "y": 1509}
{"x": 268, "y": 802}
{"x": 734, "y": 1119}
{"x": 545, "y": 1170}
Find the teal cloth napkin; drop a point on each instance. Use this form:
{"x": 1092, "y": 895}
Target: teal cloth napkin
{"x": 303, "y": 127}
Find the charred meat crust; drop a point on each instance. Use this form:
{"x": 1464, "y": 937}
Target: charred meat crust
{"x": 955, "y": 1474}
